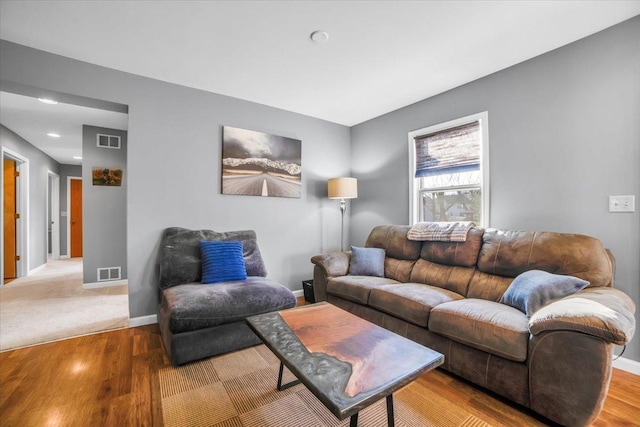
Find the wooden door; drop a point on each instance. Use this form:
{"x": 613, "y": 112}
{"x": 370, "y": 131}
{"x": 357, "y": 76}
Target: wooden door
{"x": 75, "y": 217}
{"x": 10, "y": 218}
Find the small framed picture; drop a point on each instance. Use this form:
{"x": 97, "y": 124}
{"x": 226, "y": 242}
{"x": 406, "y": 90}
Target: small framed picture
{"x": 107, "y": 176}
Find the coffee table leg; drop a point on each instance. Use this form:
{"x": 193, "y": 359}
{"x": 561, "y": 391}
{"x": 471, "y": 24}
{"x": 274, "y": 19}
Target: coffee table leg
{"x": 354, "y": 420}
{"x": 287, "y": 385}
{"x": 390, "y": 418}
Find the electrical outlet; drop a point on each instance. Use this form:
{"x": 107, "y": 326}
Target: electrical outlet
{"x": 622, "y": 203}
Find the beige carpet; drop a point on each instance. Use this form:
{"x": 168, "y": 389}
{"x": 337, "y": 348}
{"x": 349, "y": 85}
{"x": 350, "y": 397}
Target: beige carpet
{"x": 239, "y": 390}
{"x": 51, "y": 305}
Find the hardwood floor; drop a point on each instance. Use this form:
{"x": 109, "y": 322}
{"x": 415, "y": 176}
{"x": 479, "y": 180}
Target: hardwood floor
{"x": 110, "y": 379}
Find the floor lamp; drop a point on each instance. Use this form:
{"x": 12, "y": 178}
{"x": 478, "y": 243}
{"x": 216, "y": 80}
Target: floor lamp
{"x": 342, "y": 188}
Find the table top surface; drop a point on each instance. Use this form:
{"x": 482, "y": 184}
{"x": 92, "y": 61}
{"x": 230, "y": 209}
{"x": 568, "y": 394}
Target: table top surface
{"x": 347, "y": 362}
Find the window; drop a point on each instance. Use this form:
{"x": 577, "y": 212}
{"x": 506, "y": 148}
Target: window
{"x": 449, "y": 171}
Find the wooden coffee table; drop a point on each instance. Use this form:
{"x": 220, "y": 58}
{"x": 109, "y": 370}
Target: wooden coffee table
{"x": 347, "y": 362}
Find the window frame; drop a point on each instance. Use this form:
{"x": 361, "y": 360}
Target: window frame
{"x": 415, "y": 191}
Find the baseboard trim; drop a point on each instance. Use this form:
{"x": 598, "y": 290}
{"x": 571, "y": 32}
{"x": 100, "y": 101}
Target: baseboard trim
{"x": 106, "y": 284}
{"x": 64, "y": 257}
{"x": 299, "y": 293}
{"x": 628, "y": 365}
{"x": 143, "y": 320}
{"x": 35, "y": 270}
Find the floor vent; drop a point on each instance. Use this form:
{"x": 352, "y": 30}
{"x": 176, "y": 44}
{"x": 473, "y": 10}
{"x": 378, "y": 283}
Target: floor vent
{"x": 108, "y": 273}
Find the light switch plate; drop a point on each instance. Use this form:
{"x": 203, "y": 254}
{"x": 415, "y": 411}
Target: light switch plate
{"x": 622, "y": 203}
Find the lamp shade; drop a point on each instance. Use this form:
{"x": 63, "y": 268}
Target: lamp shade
{"x": 342, "y": 188}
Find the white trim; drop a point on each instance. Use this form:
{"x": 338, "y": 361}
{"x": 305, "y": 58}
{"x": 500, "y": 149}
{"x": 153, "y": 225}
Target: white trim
{"x": 22, "y": 241}
{"x": 143, "y": 320}
{"x": 299, "y": 293}
{"x": 628, "y": 365}
{"x": 483, "y": 118}
{"x": 38, "y": 268}
{"x": 69, "y": 178}
{"x": 64, "y": 257}
{"x": 104, "y": 284}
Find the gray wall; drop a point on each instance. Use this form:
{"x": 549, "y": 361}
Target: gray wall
{"x": 104, "y": 209}
{"x": 173, "y": 167}
{"x": 564, "y": 134}
{"x": 65, "y": 172}
{"x": 39, "y": 165}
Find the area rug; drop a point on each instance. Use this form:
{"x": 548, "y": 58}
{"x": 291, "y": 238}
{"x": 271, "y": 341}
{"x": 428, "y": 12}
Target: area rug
{"x": 239, "y": 390}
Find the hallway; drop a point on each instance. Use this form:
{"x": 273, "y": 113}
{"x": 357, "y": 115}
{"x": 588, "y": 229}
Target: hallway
{"x": 51, "y": 305}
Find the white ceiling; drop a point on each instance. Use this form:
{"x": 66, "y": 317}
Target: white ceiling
{"x": 380, "y": 56}
{"x": 32, "y": 120}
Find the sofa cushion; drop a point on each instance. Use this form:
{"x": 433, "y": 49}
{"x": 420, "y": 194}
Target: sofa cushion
{"x": 366, "y": 262}
{"x": 509, "y": 253}
{"x": 393, "y": 239}
{"x": 464, "y": 254}
{"x": 222, "y": 261}
{"x": 486, "y": 325}
{"x": 356, "y": 288}
{"x": 410, "y": 301}
{"x": 179, "y": 260}
{"x": 455, "y": 279}
{"x": 535, "y": 288}
{"x": 196, "y": 306}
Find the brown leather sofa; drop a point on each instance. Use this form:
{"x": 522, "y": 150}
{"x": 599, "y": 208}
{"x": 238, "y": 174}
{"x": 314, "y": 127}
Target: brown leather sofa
{"x": 445, "y": 295}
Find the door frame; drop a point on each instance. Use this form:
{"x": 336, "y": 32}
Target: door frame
{"x": 54, "y": 197}
{"x": 22, "y": 206}
{"x": 69, "y": 178}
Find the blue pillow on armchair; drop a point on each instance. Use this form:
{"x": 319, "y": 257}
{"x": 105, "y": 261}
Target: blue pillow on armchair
{"x": 222, "y": 261}
{"x": 535, "y": 288}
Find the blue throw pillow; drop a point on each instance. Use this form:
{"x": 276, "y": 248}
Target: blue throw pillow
{"x": 222, "y": 261}
{"x": 535, "y": 288}
{"x": 366, "y": 262}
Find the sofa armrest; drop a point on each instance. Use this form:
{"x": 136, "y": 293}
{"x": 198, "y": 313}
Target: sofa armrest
{"x": 605, "y": 313}
{"x": 328, "y": 265}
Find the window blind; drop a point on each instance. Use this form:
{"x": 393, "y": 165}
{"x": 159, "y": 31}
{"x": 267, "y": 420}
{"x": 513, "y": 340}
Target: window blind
{"x": 451, "y": 150}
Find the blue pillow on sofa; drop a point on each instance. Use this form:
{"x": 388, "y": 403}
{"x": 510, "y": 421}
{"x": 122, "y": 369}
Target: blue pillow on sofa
{"x": 535, "y": 288}
{"x": 366, "y": 262}
{"x": 222, "y": 261}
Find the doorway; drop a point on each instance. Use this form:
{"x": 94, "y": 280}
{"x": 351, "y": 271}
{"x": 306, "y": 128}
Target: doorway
{"x": 14, "y": 213}
{"x": 10, "y": 219}
{"x": 75, "y": 217}
{"x": 53, "y": 216}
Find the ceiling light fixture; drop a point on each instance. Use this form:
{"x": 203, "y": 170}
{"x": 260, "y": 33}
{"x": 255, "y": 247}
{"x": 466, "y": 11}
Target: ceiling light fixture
{"x": 48, "y": 101}
{"x": 77, "y": 157}
{"x": 53, "y": 135}
{"x": 319, "y": 36}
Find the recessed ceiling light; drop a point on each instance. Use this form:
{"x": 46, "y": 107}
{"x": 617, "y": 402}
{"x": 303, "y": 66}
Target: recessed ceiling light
{"x": 48, "y": 101}
{"x": 53, "y": 135}
{"x": 319, "y": 36}
{"x": 77, "y": 157}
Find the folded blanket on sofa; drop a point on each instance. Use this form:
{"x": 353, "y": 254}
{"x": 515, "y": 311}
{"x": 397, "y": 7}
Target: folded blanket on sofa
{"x": 440, "y": 231}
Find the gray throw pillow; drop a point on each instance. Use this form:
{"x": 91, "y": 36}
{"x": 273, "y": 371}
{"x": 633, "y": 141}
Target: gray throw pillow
{"x": 535, "y": 288}
{"x": 366, "y": 262}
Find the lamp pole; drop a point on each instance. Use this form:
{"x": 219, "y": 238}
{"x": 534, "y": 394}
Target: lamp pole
{"x": 343, "y": 208}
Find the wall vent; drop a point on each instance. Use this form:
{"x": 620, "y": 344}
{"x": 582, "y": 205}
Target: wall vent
{"x": 108, "y": 273}
{"x": 108, "y": 141}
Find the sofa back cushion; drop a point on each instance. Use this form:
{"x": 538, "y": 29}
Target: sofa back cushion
{"x": 508, "y": 253}
{"x": 401, "y": 253}
{"x": 464, "y": 254}
{"x": 452, "y": 278}
{"x": 179, "y": 259}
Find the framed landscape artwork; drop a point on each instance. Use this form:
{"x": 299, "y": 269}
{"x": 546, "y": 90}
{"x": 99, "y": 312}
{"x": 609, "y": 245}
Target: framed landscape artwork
{"x": 108, "y": 177}
{"x": 260, "y": 164}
